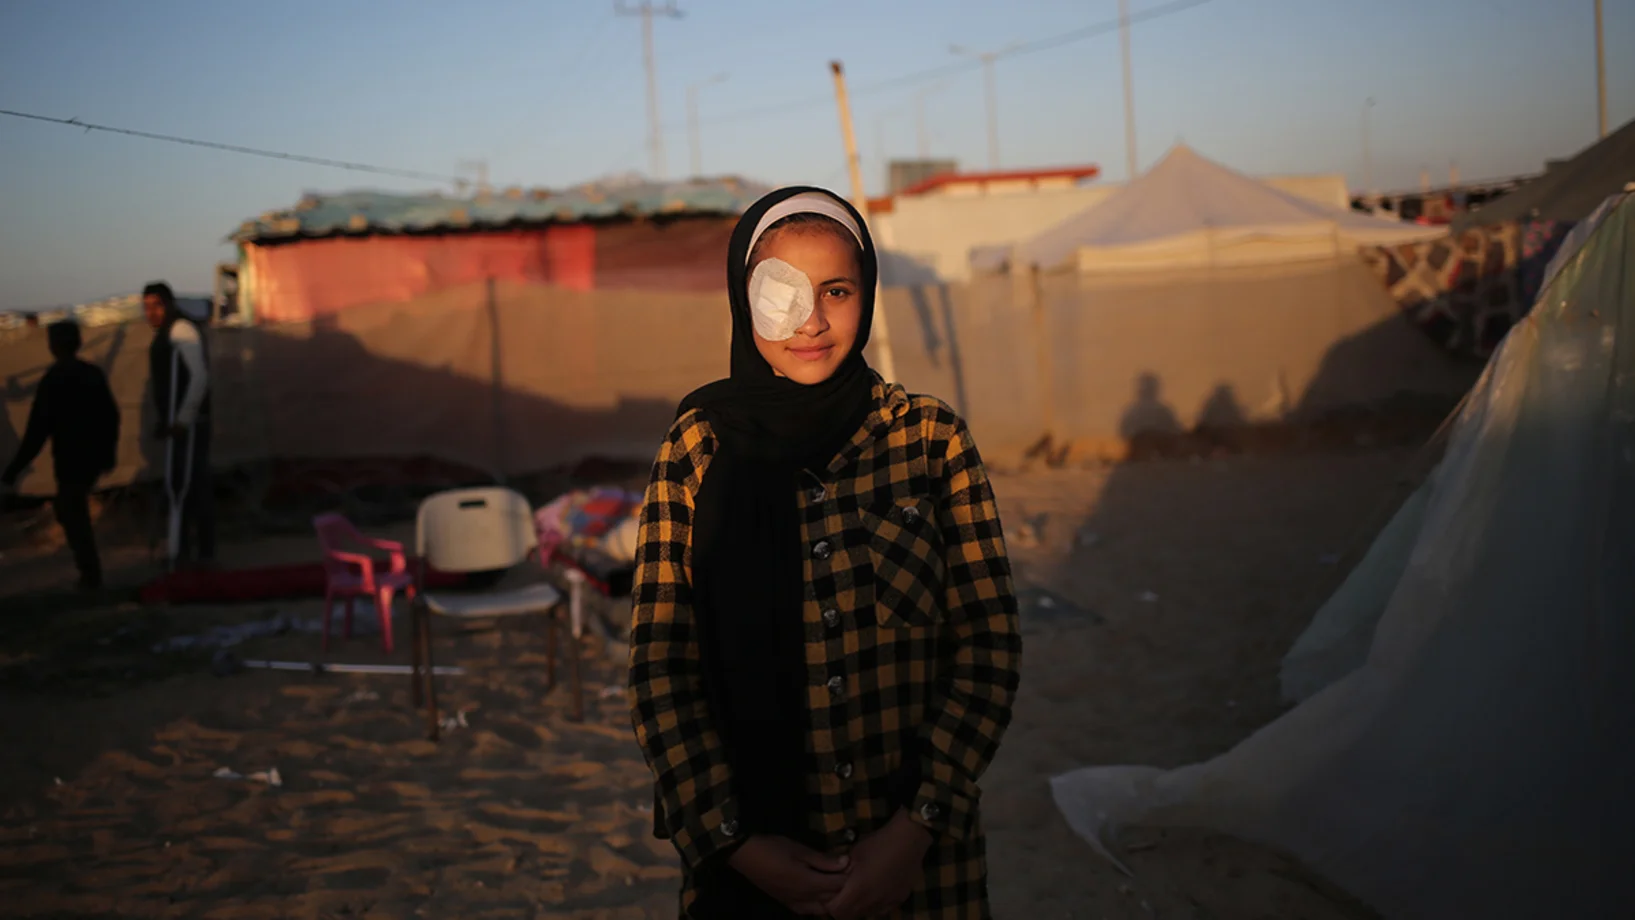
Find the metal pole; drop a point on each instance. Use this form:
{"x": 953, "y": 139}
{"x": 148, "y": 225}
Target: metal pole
{"x": 1368, "y": 152}
{"x": 1129, "y": 88}
{"x": 991, "y": 89}
{"x": 1600, "y": 71}
{"x": 922, "y": 135}
{"x": 693, "y": 136}
{"x": 922, "y": 142}
{"x": 880, "y": 145}
{"x": 656, "y": 132}
{"x": 993, "y": 111}
{"x": 655, "y": 129}
{"x": 860, "y": 199}
{"x": 692, "y": 132}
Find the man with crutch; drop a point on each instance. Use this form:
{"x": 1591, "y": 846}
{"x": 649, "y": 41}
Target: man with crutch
{"x": 179, "y": 364}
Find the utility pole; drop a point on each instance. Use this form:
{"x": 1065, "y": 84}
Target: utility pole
{"x": 922, "y": 137}
{"x": 692, "y": 122}
{"x": 860, "y": 200}
{"x": 1368, "y": 152}
{"x": 1600, "y": 71}
{"x": 922, "y": 140}
{"x": 1129, "y": 88}
{"x": 655, "y": 131}
{"x": 990, "y": 88}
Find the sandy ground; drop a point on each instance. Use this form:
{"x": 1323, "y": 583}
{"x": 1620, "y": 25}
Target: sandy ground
{"x": 1178, "y": 585}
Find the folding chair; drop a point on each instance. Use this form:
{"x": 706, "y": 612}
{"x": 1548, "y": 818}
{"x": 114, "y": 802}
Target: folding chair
{"x": 484, "y": 530}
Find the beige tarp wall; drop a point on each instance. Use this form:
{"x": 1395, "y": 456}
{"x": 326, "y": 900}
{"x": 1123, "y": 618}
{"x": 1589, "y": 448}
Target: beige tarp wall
{"x": 518, "y": 378}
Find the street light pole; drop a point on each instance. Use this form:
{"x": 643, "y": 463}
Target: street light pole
{"x": 991, "y": 91}
{"x": 1368, "y": 151}
{"x": 693, "y": 142}
{"x": 922, "y": 137}
{"x": 1129, "y": 88}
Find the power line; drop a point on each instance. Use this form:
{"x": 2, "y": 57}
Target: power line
{"x": 908, "y": 79}
{"x": 234, "y": 148}
{"x": 962, "y": 67}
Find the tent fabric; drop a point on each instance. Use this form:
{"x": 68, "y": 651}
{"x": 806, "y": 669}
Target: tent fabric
{"x": 1570, "y": 191}
{"x": 1191, "y": 210}
{"x": 1337, "y": 641}
{"x": 1476, "y": 764}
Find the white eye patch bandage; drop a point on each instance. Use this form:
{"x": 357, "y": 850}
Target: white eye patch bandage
{"x": 780, "y": 299}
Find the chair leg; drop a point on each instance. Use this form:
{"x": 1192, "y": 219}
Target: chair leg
{"x": 416, "y": 656}
{"x": 550, "y": 650}
{"x": 329, "y": 613}
{"x": 383, "y": 611}
{"x": 575, "y": 653}
{"x": 426, "y": 679}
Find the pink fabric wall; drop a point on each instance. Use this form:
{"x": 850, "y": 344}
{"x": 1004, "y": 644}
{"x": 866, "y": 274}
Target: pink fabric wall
{"x": 302, "y": 280}
{"x": 305, "y": 279}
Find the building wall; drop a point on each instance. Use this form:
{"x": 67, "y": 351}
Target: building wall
{"x": 929, "y": 238}
{"x": 303, "y": 279}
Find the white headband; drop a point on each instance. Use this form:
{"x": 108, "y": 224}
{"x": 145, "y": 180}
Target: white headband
{"x": 804, "y": 203}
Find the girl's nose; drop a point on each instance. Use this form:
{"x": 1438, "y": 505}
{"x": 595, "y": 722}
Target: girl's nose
{"x": 816, "y": 324}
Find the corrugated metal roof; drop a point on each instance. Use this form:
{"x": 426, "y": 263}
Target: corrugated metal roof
{"x": 367, "y": 212}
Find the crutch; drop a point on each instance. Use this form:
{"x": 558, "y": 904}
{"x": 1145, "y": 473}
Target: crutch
{"x": 176, "y": 495}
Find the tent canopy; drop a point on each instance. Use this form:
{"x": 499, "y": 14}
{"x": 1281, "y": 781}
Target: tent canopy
{"x": 1190, "y": 210}
{"x": 1571, "y": 190}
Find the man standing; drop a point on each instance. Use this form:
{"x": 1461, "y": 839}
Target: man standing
{"x": 178, "y": 363}
{"x": 75, "y": 410}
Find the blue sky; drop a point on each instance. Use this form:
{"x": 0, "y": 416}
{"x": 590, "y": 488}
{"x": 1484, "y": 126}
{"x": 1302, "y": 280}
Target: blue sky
{"x": 552, "y": 92}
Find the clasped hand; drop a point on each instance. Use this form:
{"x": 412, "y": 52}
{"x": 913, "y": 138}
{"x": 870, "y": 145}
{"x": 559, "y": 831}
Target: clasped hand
{"x": 875, "y": 877}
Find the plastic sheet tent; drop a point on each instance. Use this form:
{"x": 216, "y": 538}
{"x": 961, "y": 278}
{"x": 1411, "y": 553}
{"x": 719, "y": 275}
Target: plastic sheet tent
{"x": 1477, "y": 761}
{"x": 1189, "y": 211}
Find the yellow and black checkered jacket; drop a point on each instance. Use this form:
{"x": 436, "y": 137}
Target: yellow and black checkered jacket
{"x": 911, "y": 626}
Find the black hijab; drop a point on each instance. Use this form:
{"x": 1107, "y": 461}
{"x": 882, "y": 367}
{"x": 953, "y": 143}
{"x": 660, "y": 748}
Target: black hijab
{"x": 747, "y": 554}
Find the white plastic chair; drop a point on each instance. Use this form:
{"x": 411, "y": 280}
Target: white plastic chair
{"x": 483, "y": 530}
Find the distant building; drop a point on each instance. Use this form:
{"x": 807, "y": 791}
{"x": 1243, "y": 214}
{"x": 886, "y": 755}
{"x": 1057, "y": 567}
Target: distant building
{"x": 334, "y": 252}
{"x": 905, "y": 174}
{"x": 927, "y": 231}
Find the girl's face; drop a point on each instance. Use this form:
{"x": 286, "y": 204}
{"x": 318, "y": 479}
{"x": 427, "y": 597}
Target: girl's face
{"x": 818, "y": 347}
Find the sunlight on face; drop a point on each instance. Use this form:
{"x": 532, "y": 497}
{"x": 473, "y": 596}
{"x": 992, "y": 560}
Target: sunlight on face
{"x": 153, "y": 307}
{"x": 819, "y": 346}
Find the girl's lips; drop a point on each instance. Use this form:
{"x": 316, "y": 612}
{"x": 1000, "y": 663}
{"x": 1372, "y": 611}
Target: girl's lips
{"x": 811, "y": 354}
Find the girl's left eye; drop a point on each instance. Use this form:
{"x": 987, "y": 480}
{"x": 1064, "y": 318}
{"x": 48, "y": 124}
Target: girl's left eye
{"x": 837, "y": 292}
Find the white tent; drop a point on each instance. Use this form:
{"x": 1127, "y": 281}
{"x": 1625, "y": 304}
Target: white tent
{"x": 1189, "y": 211}
{"x": 1475, "y": 759}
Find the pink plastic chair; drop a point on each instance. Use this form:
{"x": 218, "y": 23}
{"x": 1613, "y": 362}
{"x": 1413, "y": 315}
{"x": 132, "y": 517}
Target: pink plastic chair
{"x": 352, "y": 575}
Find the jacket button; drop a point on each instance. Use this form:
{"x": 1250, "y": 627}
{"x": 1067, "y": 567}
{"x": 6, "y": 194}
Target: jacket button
{"x": 844, "y": 771}
{"x": 730, "y": 828}
{"x": 836, "y": 684}
{"x": 930, "y": 811}
{"x": 911, "y": 515}
{"x": 822, "y": 551}
{"x": 817, "y": 494}
{"x": 831, "y": 617}
{"x": 850, "y": 835}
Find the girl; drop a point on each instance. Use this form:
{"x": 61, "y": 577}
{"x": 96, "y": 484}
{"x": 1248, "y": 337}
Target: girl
{"x": 824, "y": 644}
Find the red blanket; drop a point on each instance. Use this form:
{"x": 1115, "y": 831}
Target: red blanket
{"x": 274, "y": 582}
